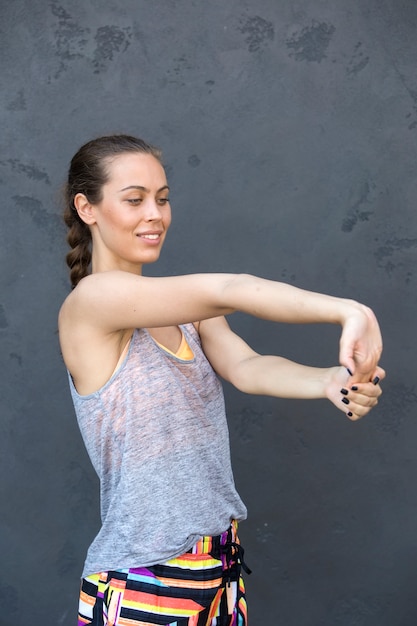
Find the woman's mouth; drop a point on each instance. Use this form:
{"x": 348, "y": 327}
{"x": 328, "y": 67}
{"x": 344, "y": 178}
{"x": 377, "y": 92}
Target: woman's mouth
{"x": 150, "y": 238}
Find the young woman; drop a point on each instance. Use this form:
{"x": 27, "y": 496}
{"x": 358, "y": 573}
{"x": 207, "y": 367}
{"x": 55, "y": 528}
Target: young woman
{"x": 143, "y": 355}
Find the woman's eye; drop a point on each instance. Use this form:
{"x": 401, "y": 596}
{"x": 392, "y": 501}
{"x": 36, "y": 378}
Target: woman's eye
{"x": 163, "y": 201}
{"x": 134, "y": 201}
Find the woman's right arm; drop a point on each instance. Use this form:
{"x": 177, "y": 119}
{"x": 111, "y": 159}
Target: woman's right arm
{"x": 111, "y": 301}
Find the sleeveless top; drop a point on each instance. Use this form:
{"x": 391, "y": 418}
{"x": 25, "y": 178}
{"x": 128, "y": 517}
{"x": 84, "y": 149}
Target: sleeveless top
{"x": 157, "y": 436}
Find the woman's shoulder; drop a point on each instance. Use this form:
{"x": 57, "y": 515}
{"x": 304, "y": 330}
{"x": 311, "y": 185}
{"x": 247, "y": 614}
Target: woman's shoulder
{"x": 89, "y": 289}
{"x": 90, "y": 351}
{"x": 86, "y": 303}
{"x": 72, "y": 301}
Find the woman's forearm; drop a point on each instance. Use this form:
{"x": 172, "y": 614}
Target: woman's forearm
{"x": 360, "y": 342}
{"x": 279, "y": 377}
{"x": 281, "y": 302}
{"x": 276, "y": 376}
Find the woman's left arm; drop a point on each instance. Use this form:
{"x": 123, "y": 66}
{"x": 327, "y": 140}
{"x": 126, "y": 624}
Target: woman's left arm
{"x": 250, "y": 372}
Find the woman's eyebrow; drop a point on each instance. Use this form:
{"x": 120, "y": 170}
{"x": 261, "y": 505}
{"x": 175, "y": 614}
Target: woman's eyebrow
{"x": 165, "y": 187}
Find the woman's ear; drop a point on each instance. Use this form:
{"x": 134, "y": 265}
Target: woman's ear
{"x": 84, "y": 209}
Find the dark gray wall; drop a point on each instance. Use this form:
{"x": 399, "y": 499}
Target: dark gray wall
{"x": 289, "y": 131}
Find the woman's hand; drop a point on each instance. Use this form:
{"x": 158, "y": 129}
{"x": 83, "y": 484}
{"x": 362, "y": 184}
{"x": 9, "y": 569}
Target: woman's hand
{"x": 353, "y": 398}
{"x": 360, "y": 343}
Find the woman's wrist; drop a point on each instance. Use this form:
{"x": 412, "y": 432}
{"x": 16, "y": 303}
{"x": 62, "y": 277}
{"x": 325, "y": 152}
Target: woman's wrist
{"x": 350, "y": 309}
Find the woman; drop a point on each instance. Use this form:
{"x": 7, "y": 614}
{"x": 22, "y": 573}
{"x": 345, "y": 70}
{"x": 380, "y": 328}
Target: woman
{"x": 141, "y": 353}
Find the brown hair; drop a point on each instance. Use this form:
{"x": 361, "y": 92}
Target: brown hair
{"x": 87, "y": 174}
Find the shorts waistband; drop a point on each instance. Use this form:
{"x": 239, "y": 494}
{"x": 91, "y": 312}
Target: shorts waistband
{"x": 212, "y": 545}
{"x": 227, "y": 548}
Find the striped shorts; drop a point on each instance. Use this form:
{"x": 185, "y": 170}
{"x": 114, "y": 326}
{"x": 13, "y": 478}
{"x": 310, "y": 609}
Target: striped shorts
{"x": 202, "y": 587}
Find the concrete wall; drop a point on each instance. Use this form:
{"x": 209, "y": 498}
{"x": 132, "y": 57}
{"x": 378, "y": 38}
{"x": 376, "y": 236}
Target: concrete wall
{"x": 289, "y": 131}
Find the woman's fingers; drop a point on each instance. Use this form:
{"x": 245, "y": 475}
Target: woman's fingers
{"x": 360, "y": 398}
{"x": 355, "y": 399}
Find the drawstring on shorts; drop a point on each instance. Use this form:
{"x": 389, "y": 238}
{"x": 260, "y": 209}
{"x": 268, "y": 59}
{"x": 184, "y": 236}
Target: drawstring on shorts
{"x": 234, "y": 555}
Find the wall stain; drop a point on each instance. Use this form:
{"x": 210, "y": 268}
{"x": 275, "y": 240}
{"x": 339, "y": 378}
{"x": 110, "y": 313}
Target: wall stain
{"x": 356, "y": 213}
{"x": 358, "y": 61}
{"x": 30, "y": 171}
{"x": 258, "y": 32}
{"x": 413, "y": 123}
{"x": 109, "y": 40}
{"x": 70, "y": 38}
{"x": 302, "y": 444}
{"x": 3, "y": 319}
{"x": 286, "y": 276}
{"x": 175, "y": 75}
{"x": 194, "y": 161}
{"x": 357, "y": 609}
{"x": 16, "y": 357}
{"x": 51, "y": 224}
{"x": 19, "y": 102}
{"x": 413, "y": 95}
{"x": 311, "y": 43}
{"x": 385, "y": 253}
{"x": 248, "y": 422}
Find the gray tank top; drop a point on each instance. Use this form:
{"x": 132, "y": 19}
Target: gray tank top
{"x": 157, "y": 436}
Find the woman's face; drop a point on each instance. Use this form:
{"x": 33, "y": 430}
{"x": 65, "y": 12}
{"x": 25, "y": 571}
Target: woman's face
{"x": 133, "y": 217}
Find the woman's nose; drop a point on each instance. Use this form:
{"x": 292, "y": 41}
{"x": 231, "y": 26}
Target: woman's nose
{"x": 152, "y": 210}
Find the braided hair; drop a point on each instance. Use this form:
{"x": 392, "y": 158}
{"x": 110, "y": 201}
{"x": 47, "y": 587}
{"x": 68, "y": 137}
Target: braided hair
{"x": 87, "y": 174}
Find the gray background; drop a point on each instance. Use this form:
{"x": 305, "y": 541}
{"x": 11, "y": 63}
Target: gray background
{"x": 289, "y": 132}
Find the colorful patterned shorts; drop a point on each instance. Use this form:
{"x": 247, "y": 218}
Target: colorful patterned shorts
{"x": 202, "y": 587}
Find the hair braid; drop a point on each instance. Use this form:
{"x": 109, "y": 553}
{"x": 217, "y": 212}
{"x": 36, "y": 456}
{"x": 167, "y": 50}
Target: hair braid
{"x": 79, "y": 239}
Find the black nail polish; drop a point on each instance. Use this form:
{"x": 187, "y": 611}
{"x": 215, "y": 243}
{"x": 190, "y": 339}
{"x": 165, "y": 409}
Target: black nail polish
{"x": 354, "y": 388}
{"x": 349, "y": 372}
{"x": 344, "y": 391}
{"x": 345, "y": 400}
{"x": 349, "y": 414}
{"x": 376, "y": 380}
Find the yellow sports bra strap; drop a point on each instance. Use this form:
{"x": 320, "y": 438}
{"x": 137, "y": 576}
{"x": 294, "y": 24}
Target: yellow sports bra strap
{"x": 184, "y": 351}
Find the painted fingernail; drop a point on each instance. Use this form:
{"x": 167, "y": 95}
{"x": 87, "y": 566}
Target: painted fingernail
{"x": 349, "y": 372}
{"x": 345, "y": 400}
{"x": 344, "y": 391}
{"x": 349, "y": 414}
{"x": 354, "y": 388}
{"x": 376, "y": 380}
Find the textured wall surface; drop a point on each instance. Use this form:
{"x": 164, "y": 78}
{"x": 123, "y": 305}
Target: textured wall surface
{"x": 289, "y": 131}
